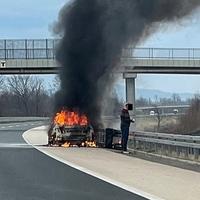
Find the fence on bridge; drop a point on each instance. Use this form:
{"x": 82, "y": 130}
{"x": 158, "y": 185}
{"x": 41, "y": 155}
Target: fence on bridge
{"x": 162, "y": 53}
{"x": 45, "y": 49}
{"x": 178, "y": 146}
{"x": 28, "y": 49}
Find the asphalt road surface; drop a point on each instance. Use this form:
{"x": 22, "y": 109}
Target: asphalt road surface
{"x": 27, "y": 174}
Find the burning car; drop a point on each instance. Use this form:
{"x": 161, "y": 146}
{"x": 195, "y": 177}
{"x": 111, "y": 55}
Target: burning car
{"x": 71, "y": 128}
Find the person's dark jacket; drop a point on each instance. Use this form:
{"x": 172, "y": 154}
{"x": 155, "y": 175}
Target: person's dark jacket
{"x": 125, "y": 118}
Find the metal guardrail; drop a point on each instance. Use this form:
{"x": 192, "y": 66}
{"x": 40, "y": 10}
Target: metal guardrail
{"x": 45, "y": 49}
{"x": 178, "y": 146}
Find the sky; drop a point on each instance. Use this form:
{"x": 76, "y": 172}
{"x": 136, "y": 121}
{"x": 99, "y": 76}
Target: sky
{"x": 23, "y": 19}
{"x": 28, "y": 19}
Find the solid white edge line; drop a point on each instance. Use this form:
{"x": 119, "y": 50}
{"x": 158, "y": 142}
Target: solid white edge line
{"x": 92, "y": 173}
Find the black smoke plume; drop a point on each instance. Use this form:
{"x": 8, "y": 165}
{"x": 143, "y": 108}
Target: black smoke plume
{"x": 93, "y": 34}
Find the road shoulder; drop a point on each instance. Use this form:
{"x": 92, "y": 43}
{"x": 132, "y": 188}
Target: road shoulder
{"x": 132, "y": 174}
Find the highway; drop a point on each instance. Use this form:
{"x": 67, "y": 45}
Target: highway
{"x": 27, "y": 174}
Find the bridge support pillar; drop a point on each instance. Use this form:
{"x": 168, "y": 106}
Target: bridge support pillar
{"x": 130, "y": 89}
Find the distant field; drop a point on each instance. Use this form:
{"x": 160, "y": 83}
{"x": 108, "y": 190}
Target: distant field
{"x": 145, "y": 123}
{"x": 150, "y": 123}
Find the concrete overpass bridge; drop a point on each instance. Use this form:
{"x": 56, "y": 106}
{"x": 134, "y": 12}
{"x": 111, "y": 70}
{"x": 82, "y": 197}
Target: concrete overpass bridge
{"x": 38, "y": 57}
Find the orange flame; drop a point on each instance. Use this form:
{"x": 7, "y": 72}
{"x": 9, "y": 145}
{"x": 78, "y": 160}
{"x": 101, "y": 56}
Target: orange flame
{"x": 91, "y": 144}
{"x": 69, "y": 118}
{"x": 66, "y": 145}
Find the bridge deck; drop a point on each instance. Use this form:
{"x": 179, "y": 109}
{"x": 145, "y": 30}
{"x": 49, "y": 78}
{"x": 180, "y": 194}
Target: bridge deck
{"x": 38, "y": 56}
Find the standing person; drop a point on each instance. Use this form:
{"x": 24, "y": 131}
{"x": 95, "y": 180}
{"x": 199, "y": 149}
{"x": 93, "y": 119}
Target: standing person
{"x": 125, "y": 124}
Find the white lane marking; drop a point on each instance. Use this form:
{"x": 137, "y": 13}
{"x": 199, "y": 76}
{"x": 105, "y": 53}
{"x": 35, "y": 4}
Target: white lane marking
{"x": 94, "y": 174}
{"x": 10, "y": 126}
{"x": 15, "y": 145}
{"x": 2, "y": 127}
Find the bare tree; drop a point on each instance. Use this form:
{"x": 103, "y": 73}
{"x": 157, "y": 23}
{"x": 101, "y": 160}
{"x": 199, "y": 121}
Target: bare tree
{"x": 25, "y": 96}
{"x": 158, "y": 114}
{"x": 2, "y": 83}
{"x": 190, "y": 121}
{"x": 142, "y": 102}
{"x": 55, "y": 85}
{"x": 22, "y": 87}
{"x": 38, "y": 90}
{"x": 176, "y": 99}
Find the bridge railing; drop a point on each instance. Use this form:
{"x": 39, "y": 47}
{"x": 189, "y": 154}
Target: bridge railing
{"x": 162, "y": 53}
{"x": 27, "y": 54}
{"x": 28, "y": 49}
{"x": 178, "y": 146}
{"x": 45, "y": 49}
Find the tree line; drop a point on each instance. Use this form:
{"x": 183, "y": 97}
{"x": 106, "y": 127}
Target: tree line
{"x": 174, "y": 99}
{"x": 25, "y": 96}
{"x": 29, "y": 96}
{"x": 22, "y": 95}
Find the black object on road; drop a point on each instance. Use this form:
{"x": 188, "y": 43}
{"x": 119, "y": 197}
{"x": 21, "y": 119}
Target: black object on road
{"x": 113, "y": 138}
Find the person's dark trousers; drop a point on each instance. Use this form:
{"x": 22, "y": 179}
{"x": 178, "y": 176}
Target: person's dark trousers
{"x": 125, "y": 133}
